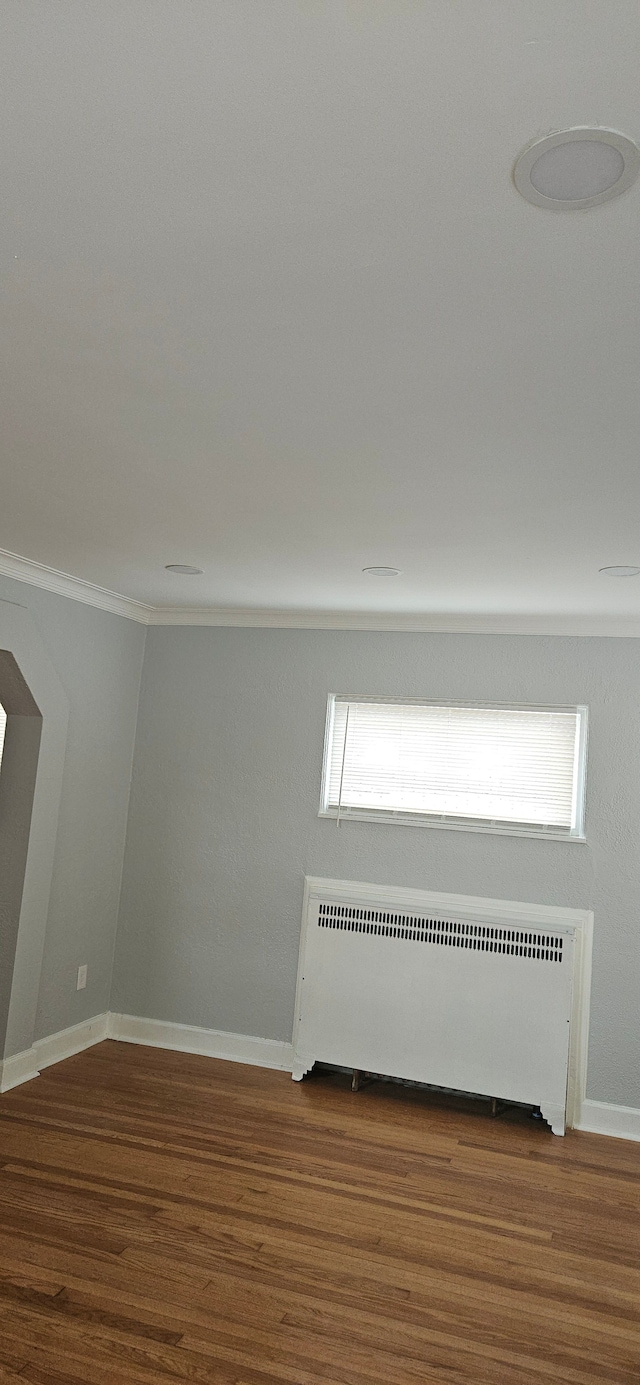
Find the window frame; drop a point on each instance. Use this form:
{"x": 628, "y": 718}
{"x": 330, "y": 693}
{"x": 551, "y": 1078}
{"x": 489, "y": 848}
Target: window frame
{"x": 499, "y": 827}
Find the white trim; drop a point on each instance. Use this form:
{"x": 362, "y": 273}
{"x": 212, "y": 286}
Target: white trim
{"x": 18, "y": 1069}
{"x": 212, "y": 1043}
{"x": 56, "y": 1047}
{"x": 602, "y": 1118}
{"x": 63, "y": 584}
{"x": 577, "y": 921}
{"x": 132, "y": 1029}
{"x": 267, "y": 618}
{"x": 419, "y": 622}
{"x": 22, "y": 1067}
{"x": 449, "y": 824}
{"x": 622, "y": 1122}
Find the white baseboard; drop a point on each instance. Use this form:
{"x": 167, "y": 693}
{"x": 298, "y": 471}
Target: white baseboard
{"x": 598, "y": 1117}
{"x": 212, "y": 1043}
{"x": 131, "y": 1029}
{"x": 601, "y": 1118}
{"x": 22, "y": 1067}
{"x": 18, "y": 1069}
{"x": 73, "y": 1040}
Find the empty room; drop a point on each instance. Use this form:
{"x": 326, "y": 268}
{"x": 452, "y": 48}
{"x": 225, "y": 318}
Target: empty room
{"x": 320, "y": 692}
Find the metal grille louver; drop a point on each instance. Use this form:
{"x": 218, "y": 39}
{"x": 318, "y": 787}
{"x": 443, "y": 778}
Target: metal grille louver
{"x": 478, "y": 937}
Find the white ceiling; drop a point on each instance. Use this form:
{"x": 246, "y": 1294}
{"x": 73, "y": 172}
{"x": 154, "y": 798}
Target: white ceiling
{"x": 272, "y": 306}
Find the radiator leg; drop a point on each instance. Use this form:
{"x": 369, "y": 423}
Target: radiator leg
{"x": 554, "y": 1116}
{"x": 301, "y": 1065}
{"x": 355, "y": 1081}
{"x": 498, "y": 1107}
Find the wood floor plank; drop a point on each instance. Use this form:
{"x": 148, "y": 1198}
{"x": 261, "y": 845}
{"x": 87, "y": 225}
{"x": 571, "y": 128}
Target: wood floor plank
{"x": 166, "y": 1217}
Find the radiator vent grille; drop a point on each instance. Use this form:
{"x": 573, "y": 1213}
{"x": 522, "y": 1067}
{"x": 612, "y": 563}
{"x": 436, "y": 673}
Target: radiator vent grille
{"x": 478, "y": 937}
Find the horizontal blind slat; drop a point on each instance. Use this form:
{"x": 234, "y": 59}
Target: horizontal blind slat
{"x": 508, "y": 764}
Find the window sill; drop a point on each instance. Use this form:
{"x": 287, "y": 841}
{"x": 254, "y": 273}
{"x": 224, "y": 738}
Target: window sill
{"x": 450, "y": 825}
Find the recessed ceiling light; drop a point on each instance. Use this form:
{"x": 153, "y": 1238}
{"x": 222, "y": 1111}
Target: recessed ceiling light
{"x": 620, "y": 571}
{"x": 382, "y": 571}
{"x": 184, "y": 568}
{"x": 576, "y": 168}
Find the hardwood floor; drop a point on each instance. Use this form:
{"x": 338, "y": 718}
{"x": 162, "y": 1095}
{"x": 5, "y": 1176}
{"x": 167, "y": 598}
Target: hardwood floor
{"x": 169, "y": 1217}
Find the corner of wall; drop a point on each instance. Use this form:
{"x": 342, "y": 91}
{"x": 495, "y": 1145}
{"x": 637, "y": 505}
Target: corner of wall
{"x": 116, "y": 931}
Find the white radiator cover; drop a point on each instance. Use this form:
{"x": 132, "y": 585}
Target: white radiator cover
{"x": 485, "y": 996}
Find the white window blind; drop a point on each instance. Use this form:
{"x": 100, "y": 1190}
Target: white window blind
{"x": 506, "y": 767}
{"x": 3, "y": 727}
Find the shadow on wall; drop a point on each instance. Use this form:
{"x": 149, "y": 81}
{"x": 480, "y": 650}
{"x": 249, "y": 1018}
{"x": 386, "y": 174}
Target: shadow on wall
{"x": 17, "y": 786}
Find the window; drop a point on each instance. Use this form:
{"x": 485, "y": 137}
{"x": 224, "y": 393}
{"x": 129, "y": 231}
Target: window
{"x": 3, "y": 727}
{"x": 492, "y": 768}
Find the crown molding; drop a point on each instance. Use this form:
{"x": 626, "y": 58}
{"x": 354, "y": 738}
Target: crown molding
{"x": 38, "y": 575}
{"x": 421, "y": 623}
{"x": 269, "y": 618}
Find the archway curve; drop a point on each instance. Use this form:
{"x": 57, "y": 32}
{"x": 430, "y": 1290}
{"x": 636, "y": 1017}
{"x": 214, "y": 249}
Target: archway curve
{"x": 38, "y": 711}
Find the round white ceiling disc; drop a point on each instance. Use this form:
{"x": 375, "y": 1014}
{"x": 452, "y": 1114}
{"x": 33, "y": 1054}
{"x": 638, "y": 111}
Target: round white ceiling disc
{"x": 576, "y": 168}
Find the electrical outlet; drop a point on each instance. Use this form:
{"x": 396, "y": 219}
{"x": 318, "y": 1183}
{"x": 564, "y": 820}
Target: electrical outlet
{"x": 82, "y": 978}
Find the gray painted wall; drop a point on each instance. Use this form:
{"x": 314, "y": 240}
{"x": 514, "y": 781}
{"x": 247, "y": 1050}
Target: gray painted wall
{"x": 223, "y": 818}
{"x": 98, "y": 661}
